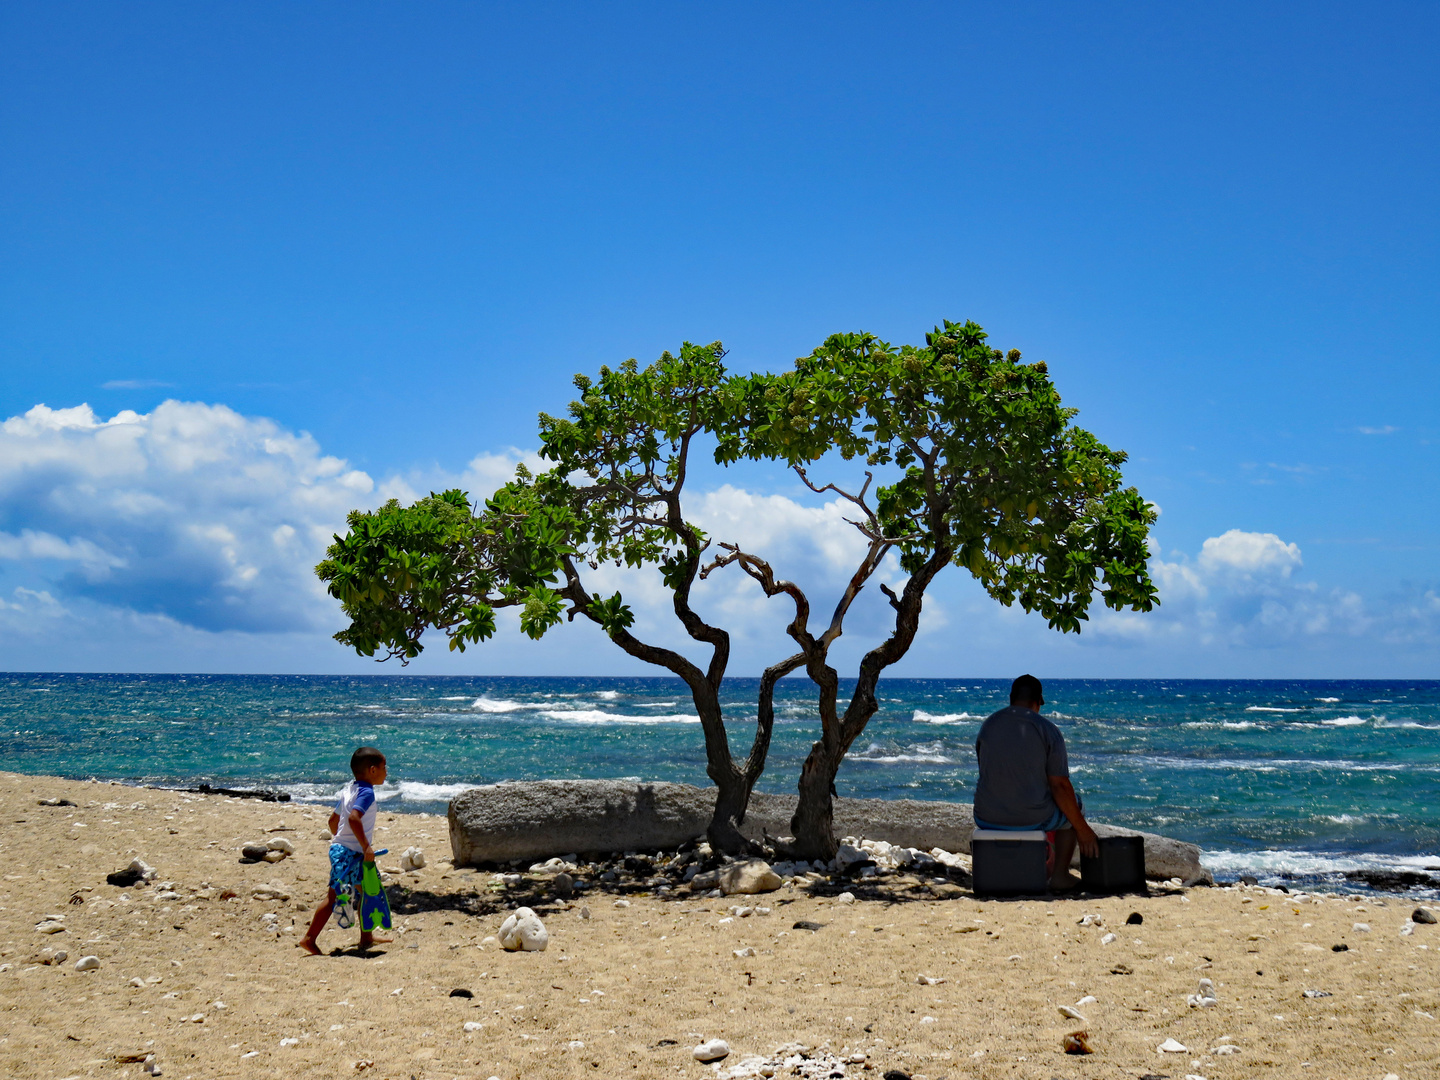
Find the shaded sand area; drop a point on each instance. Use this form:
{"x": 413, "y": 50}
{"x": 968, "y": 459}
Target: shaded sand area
{"x": 628, "y": 992}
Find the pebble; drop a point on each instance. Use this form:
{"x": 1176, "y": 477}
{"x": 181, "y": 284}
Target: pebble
{"x": 138, "y": 982}
{"x": 845, "y": 898}
{"x": 1223, "y": 1051}
{"x": 926, "y": 980}
{"x": 1318, "y": 993}
{"x": 1108, "y": 938}
{"x": 1088, "y": 999}
{"x": 749, "y": 950}
{"x": 1077, "y": 1042}
{"x": 1170, "y": 1046}
{"x": 1423, "y": 915}
{"x": 1072, "y": 1014}
{"x": 282, "y": 845}
{"x": 711, "y": 1050}
{"x": 473, "y": 1025}
{"x": 412, "y": 858}
{"x": 927, "y": 1019}
{"x": 254, "y": 851}
{"x": 50, "y": 926}
{"x": 584, "y": 912}
{"x": 523, "y": 930}
{"x": 576, "y": 1044}
{"x": 289, "y": 1042}
{"x": 87, "y": 963}
{"x": 1361, "y": 928}
{"x": 622, "y": 903}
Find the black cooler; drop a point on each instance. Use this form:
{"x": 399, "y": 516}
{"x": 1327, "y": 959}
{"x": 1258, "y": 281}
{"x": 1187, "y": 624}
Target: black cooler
{"x": 1120, "y": 867}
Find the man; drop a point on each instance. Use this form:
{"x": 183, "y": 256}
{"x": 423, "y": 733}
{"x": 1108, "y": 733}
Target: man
{"x": 1025, "y": 780}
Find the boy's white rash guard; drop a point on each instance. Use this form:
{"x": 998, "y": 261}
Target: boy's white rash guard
{"x": 355, "y": 797}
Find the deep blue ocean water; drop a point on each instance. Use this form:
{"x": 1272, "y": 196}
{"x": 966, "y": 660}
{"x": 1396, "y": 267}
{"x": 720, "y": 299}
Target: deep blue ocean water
{"x": 1303, "y": 776}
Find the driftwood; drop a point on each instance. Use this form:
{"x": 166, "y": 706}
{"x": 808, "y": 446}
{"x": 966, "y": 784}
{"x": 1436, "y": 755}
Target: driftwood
{"x": 241, "y": 793}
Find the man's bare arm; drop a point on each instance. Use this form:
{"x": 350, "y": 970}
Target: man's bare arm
{"x": 1064, "y": 794}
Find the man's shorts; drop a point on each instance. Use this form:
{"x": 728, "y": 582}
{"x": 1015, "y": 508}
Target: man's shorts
{"x": 345, "y": 868}
{"x": 1054, "y": 823}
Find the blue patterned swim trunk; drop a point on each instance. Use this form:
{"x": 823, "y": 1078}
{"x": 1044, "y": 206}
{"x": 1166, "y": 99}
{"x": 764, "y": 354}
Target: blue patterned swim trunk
{"x": 345, "y": 869}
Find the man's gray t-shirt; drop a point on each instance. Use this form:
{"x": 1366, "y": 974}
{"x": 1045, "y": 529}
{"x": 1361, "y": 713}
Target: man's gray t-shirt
{"x": 1017, "y": 749}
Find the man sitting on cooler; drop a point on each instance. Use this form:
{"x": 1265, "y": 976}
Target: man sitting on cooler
{"x": 1024, "y": 780}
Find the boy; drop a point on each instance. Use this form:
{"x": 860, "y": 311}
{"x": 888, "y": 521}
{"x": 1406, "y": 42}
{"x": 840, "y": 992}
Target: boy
{"x": 353, "y": 826}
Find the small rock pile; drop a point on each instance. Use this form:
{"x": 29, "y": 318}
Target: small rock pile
{"x": 791, "y": 1059}
{"x": 266, "y": 850}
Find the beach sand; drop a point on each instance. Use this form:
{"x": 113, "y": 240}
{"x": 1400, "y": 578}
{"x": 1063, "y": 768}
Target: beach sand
{"x": 640, "y": 985}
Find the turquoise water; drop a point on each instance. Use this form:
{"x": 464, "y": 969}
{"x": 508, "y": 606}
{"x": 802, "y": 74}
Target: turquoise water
{"x": 1267, "y": 777}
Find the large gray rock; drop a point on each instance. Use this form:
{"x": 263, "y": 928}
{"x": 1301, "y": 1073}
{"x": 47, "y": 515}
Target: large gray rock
{"x": 538, "y": 819}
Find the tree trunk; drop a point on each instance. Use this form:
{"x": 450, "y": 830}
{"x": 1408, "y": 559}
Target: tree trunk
{"x": 813, "y": 825}
{"x": 731, "y": 800}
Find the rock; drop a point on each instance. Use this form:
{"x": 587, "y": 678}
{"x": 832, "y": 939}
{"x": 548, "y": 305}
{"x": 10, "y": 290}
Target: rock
{"x": 412, "y": 858}
{"x": 845, "y": 898}
{"x": 325, "y": 836}
{"x": 563, "y": 886}
{"x": 87, "y": 963}
{"x": 622, "y": 903}
{"x": 750, "y": 876}
{"x": 1108, "y": 938}
{"x": 1407, "y": 929}
{"x": 274, "y": 856}
{"x": 1077, "y": 1042}
{"x": 254, "y": 852}
{"x": 847, "y": 856}
{"x": 1072, "y": 1014}
{"x": 1088, "y": 999}
{"x": 543, "y": 818}
{"x": 1423, "y": 915}
{"x": 473, "y": 1025}
{"x": 1317, "y": 994}
{"x": 927, "y": 980}
{"x": 711, "y": 1050}
{"x": 741, "y": 954}
{"x": 523, "y": 930}
{"x": 54, "y": 802}
{"x": 1361, "y": 928}
{"x": 701, "y": 883}
{"x": 1392, "y": 880}
{"x": 1224, "y": 1050}
{"x": 1204, "y": 997}
{"x": 1170, "y": 1046}
{"x": 282, "y": 845}
{"x": 584, "y": 912}
{"x": 138, "y": 870}
{"x": 273, "y": 891}
{"x": 50, "y": 926}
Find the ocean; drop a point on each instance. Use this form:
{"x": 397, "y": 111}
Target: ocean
{"x": 1305, "y": 778}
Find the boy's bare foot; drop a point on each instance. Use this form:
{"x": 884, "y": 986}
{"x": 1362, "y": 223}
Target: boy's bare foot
{"x": 1065, "y": 884}
{"x": 367, "y": 941}
{"x": 309, "y": 946}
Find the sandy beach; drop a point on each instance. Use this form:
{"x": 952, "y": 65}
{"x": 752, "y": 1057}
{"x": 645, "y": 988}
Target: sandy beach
{"x": 199, "y": 972}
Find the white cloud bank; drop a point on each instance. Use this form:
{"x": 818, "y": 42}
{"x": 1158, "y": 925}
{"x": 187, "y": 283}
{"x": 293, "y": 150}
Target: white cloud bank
{"x": 193, "y": 524}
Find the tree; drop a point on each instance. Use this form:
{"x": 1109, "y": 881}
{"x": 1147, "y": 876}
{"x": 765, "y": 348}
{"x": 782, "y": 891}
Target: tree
{"x": 613, "y": 496}
{"x": 990, "y": 476}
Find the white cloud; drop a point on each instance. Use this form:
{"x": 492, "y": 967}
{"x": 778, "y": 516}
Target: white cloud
{"x": 192, "y": 512}
{"x": 1248, "y": 553}
{"x": 1386, "y": 429}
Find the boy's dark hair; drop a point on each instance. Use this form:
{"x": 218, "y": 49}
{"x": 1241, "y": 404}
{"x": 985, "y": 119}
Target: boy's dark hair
{"x": 364, "y": 758}
{"x": 1026, "y": 691}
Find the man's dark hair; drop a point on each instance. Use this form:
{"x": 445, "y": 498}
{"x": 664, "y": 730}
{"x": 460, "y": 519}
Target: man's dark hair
{"x": 364, "y": 758}
{"x": 1026, "y": 691}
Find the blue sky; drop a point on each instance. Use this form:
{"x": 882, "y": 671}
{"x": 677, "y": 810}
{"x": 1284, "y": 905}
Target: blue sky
{"x": 356, "y": 248}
